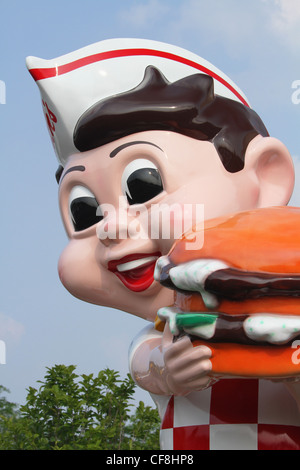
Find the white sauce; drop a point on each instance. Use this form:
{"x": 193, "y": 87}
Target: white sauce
{"x": 274, "y": 329}
{"x": 191, "y": 276}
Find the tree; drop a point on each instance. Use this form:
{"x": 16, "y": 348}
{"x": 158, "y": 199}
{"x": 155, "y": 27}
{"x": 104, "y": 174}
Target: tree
{"x": 81, "y": 412}
{"x": 8, "y": 410}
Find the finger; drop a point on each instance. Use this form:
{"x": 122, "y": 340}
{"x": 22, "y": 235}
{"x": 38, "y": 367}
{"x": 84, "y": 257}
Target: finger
{"x": 199, "y": 370}
{"x": 176, "y": 359}
{"x": 191, "y": 371}
{"x": 168, "y": 337}
{"x": 178, "y": 349}
{"x": 184, "y": 384}
{"x": 183, "y": 350}
{"x": 203, "y": 351}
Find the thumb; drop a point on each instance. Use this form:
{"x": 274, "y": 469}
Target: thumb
{"x": 168, "y": 336}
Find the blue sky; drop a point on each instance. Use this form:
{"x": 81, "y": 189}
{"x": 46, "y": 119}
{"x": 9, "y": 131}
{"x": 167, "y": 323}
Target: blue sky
{"x": 256, "y": 43}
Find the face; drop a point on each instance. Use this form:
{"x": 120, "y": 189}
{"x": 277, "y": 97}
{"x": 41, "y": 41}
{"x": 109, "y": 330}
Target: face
{"x": 125, "y": 203}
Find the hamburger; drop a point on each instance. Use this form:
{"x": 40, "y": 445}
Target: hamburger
{"x": 238, "y": 291}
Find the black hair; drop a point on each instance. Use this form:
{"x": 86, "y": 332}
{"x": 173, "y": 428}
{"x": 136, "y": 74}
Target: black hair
{"x": 188, "y": 106}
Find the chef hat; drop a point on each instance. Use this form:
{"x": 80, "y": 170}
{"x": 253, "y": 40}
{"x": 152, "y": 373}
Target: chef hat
{"x": 72, "y": 83}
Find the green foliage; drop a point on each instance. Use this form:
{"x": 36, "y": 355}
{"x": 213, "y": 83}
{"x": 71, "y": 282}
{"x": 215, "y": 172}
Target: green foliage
{"x": 7, "y": 409}
{"x": 71, "y": 412}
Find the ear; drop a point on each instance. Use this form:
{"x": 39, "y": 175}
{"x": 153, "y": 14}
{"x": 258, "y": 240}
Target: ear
{"x": 273, "y": 166}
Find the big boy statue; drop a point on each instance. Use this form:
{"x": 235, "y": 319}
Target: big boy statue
{"x": 138, "y": 127}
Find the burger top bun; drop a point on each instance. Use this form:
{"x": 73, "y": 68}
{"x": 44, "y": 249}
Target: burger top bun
{"x": 258, "y": 240}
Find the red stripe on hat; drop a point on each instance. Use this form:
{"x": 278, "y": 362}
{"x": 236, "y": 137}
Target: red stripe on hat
{"x": 41, "y": 74}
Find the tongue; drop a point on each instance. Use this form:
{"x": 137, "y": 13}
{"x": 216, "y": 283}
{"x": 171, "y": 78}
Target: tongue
{"x": 138, "y": 279}
{"x": 137, "y": 273}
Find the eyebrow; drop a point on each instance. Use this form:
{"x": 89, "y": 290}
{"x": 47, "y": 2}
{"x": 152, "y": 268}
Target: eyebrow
{"x": 73, "y": 168}
{"x": 136, "y": 142}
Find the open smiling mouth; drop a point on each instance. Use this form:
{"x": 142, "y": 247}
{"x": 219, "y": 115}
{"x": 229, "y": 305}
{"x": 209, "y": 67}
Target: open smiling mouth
{"x": 135, "y": 270}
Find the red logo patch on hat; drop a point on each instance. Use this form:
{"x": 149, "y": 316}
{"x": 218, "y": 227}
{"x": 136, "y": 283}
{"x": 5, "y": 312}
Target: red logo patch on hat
{"x": 50, "y": 118}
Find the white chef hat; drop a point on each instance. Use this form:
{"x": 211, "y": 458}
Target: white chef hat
{"x": 72, "y": 83}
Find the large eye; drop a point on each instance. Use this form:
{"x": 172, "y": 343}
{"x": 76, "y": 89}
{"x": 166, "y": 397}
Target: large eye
{"x": 141, "y": 181}
{"x": 83, "y": 208}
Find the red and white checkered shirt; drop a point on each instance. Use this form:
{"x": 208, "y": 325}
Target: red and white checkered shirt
{"x": 233, "y": 414}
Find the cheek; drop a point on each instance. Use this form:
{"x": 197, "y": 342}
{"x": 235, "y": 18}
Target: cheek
{"x": 78, "y": 270}
{"x": 225, "y": 192}
{"x": 204, "y": 198}
{"x": 241, "y": 192}
{"x": 251, "y": 192}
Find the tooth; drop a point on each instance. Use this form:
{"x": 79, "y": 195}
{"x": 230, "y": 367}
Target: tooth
{"x": 135, "y": 263}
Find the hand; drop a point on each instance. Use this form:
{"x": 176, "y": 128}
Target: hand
{"x": 187, "y": 367}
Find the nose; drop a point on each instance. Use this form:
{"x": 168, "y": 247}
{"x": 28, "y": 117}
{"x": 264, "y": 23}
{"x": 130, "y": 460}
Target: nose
{"x": 113, "y": 228}
{"x": 120, "y": 224}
